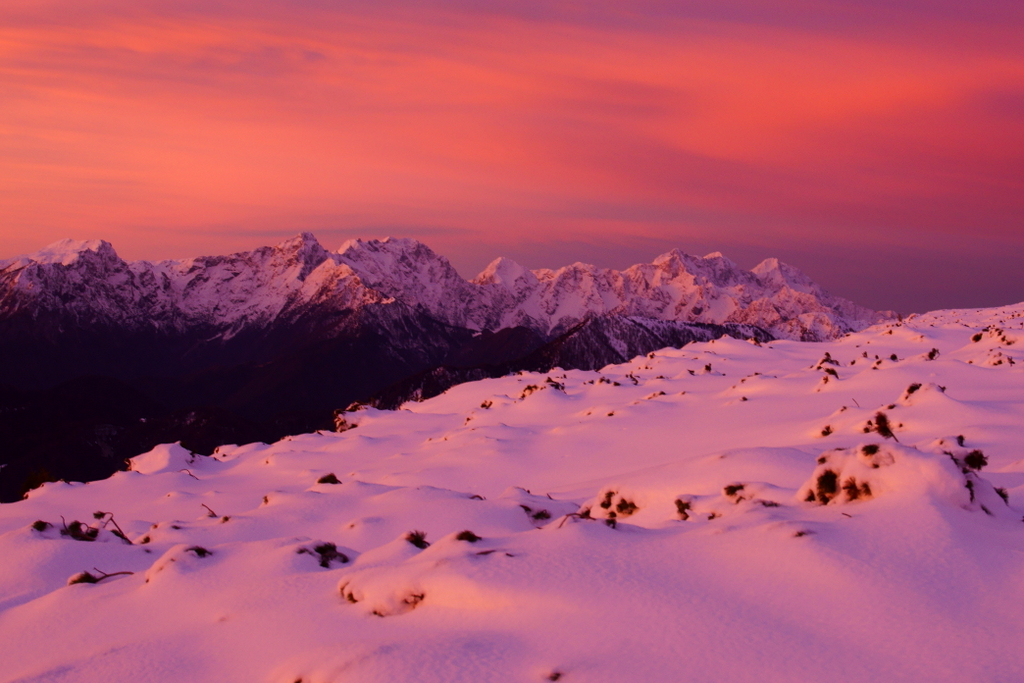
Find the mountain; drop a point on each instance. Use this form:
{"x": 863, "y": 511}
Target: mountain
{"x": 674, "y": 287}
{"x": 71, "y": 287}
{"x": 265, "y": 342}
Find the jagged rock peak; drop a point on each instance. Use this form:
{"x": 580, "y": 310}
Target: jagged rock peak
{"x": 303, "y": 243}
{"x": 505, "y": 271}
{"x": 775, "y": 273}
{"x": 304, "y": 249}
{"x": 67, "y": 251}
{"x": 407, "y": 269}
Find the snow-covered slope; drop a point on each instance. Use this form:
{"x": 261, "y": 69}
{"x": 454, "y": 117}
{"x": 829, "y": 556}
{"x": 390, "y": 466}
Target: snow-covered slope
{"x": 86, "y": 283}
{"x": 729, "y": 511}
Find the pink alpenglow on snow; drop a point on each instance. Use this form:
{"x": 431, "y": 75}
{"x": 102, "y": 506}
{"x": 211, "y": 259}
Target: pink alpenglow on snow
{"x": 729, "y": 511}
{"x": 299, "y": 273}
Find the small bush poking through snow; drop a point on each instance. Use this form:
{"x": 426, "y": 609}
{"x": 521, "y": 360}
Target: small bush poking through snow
{"x": 827, "y": 486}
{"x": 467, "y": 536}
{"x": 327, "y": 553}
{"x": 328, "y": 479}
{"x": 826, "y": 430}
{"x": 732, "y": 489}
{"x": 199, "y": 551}
{"x": 975, "y": 460}
{"x": 40, "y": 525}
{"x": 853, "y": 491}
{"x": 558, "y": 386}
{"x": 529, "y": 389}
{"x": 418, "y": 539}
{"x": 881, "y": 425}
{"x": 683, "y": 508}
{"x": 616, "y": 506}
{"x": 626, "y": 507}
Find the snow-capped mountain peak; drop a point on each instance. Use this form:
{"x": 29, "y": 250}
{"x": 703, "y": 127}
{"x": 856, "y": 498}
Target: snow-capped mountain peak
{"x": 505, "y": 271}
{"x": 68, "y": 251}
{"x": 410, "y": 271}
{"x": 88, "y": 279}
{"x": 777, "y": 274}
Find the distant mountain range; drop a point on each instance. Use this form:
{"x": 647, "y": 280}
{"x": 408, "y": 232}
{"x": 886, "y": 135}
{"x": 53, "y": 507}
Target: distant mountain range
{"x": 255, "y": 345}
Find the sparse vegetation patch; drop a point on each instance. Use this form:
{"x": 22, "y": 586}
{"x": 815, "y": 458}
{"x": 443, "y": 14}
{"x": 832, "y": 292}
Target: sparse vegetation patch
{"x": 975, "y": 460}
{"x": 418, "y": 539}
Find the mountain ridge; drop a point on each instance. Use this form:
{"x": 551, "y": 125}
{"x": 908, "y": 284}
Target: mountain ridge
{"x": 90, "y": 284}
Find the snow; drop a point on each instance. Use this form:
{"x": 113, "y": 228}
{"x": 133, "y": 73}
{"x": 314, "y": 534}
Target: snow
{"x": 68, "y": 251}
{"x": 714, "y": 566}
{"x": 224, "y": 294}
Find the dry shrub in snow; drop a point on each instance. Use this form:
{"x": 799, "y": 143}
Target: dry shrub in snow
{"x": 418, "y": 539}
{"x": 326, "y": 553}
{"x": 873, "y": 470}
{"x": 611, "y": 505}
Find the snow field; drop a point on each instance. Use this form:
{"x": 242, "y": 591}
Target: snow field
{"x": 648, "y": 522}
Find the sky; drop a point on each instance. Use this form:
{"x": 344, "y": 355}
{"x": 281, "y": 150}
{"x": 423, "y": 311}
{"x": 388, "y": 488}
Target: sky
{"x": 878, "y": 146}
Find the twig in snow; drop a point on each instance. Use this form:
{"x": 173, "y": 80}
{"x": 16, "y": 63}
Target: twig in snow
{"x": 107, "y": 576}
{"x": 87, "y": 577}
{"x": 110, "y": 520}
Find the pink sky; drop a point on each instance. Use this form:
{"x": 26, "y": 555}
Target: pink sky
{"x": 879, "y": 148}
